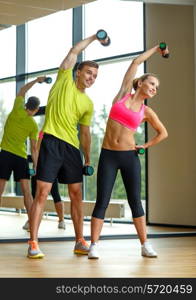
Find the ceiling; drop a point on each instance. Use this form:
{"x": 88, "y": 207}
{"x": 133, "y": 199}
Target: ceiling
{"x": 15, "y": 12}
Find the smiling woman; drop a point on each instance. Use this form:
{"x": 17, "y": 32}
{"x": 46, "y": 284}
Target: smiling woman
{"x": 118, "y": 151}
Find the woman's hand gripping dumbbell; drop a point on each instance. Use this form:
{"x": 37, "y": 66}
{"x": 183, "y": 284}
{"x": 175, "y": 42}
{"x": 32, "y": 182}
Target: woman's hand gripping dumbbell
{"x": 164, "y": 49}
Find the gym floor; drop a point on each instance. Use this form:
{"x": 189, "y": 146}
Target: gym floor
{"x": 119, "y": 257}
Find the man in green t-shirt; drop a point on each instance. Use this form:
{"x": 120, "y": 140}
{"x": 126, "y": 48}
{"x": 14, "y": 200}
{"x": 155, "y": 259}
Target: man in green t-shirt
{"x": 59, "y": 157}
{"x": 19, "y": 126}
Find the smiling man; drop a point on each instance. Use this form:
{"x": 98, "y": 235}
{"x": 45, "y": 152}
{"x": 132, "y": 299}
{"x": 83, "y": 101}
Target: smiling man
{"x": 68, "y": 106}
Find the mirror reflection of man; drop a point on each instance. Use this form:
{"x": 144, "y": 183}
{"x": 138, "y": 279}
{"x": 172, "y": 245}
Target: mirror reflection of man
{"x": 19, "y": 126}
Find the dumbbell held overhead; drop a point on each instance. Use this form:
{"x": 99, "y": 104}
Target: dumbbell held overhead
{"x": 162, "y": 47}
{"x": 103, "y": 37}
{"x": 47, "y": 80}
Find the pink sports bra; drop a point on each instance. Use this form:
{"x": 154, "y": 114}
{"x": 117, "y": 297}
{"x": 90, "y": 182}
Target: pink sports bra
{"x": 125, "y": 116}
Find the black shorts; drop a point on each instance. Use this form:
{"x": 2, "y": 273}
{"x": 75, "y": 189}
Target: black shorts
{"x": 11, "y": 162}
{"x": 58, "y": 159}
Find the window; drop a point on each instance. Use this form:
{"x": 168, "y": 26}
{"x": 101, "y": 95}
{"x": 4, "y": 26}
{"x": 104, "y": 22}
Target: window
{"x": 121, "y": 25}
{"x": 48, "y": 40}
{"x": 8, "y": 52}
{"x": 7, "y": 96}
{"x": 123, "y": 21}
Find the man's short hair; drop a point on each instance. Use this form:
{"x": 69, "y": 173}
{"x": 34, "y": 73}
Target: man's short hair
{"x": 89, "y": 63}
{"x": 32, "y": 103}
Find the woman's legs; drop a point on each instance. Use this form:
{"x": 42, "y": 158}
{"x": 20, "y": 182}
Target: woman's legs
{"x": 106, "y": 175}
{"x": 33, "y": 186}
{"x": 131, "y": 174}
{"x": 96, "y": 227}
{"x": 59, "y": 206}
{"x": 2, "y": 188}
{"x": 140, "y": 225}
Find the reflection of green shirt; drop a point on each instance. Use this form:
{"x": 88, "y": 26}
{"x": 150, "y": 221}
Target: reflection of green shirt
{"x": 18, "y": 127}
{"x": 66, "y": 108}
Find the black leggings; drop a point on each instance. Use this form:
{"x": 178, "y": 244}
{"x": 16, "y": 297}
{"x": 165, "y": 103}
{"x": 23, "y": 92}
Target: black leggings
{"x": 129, "y": 164}
{"x": 54, "y": 190}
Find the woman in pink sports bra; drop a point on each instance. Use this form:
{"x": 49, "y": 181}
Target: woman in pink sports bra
{"x": 119, "y": 150}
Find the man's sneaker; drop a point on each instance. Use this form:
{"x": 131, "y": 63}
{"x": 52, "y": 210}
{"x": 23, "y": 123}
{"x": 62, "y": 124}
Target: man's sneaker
{"x": 93, "y": 251}
{"x": 147, "y": 250}
{"x": 81, "y": 247}
{"x": 61, "y": 225}
{"x": 26, "y": 226}
{"x": 34, "y": 251}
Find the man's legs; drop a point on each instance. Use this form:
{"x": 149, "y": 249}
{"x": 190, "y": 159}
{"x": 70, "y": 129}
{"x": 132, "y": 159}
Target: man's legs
{"x": 75, "y": 194}
{"x": 2, "y": 187}
{"x": 42, "y": 191}
{"x": 28, "y": 199}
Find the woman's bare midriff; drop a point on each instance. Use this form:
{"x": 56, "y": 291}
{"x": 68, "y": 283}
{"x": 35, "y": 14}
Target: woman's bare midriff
{"x": 118, "y": 137}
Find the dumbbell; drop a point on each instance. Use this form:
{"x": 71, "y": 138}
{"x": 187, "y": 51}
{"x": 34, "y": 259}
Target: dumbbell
{"x": 140, "y": 151}
{"x": 103, "y": 37}
{"x": 87, "y": 170}
{"x": 31, "y": 172}
{"x": 47, "y": 80}
{"x": 163, "y": 46}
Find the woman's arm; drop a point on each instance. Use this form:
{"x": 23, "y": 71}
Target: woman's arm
{"x": 127, "y": 82}
{"x": 158, "y": 126}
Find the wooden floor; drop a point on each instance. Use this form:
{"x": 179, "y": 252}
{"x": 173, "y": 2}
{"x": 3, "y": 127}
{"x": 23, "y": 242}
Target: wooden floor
{"x": 119, "y": 258}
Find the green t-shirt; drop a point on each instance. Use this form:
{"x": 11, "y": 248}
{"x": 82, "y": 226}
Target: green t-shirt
{"x": 66, "y": 108}
{"x": 18, "y": 127}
